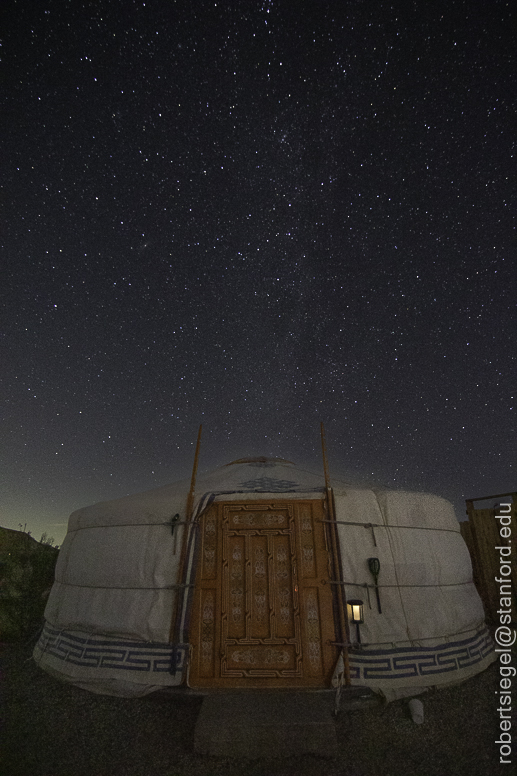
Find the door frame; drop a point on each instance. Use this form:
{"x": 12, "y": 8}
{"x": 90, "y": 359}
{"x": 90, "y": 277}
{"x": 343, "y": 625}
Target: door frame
{"x": 312, "y": 598}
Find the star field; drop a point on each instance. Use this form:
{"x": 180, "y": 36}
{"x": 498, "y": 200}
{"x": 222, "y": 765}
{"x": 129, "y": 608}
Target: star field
{"x": 256, "y": 216}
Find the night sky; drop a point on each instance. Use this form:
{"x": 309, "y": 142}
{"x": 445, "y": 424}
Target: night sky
{"x": 256, "y": 216}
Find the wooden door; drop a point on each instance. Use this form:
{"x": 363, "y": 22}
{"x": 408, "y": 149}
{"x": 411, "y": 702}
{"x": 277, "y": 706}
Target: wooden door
{"x": 262, "y": 613}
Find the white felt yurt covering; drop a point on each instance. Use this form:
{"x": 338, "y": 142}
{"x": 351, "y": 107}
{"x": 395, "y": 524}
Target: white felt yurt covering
{"x": 108, "y": 617}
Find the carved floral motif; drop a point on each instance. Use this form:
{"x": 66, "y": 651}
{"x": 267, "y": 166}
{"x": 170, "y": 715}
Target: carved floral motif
{"x": 282, "y": 571}
{"x": 308, "y": 556}
{"x": 207, "y": 628}
{"x": 256, "y": 656}
{"x": 260, "y": 568}
{"x": 307, "y": 543}
{"x": 243, "y": 656}
{"x": 237, "y": 583}
{"x": 285, "y": 611}
{"x": 260, "y": 606}
{"x": 277, "y": 656}
{"x": 209, "y": 546}
{"x": 259, "y": 593}
{"x": 254, "y": 518}
{"x": 237, "y": 594}
{"x": 312, "y": 628}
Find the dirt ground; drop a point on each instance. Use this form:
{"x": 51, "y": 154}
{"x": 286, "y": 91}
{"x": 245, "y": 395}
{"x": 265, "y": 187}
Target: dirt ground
{"x": 53, "y": 729}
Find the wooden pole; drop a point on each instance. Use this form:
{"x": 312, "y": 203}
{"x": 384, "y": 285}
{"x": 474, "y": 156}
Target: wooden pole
{"x": 341, "y": 596}
{"x": 190, "y": 498}
{"x": 181, "y": 569}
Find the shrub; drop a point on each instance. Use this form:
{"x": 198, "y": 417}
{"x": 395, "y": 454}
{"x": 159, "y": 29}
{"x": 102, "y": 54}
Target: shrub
{"x": 27, "y": 576}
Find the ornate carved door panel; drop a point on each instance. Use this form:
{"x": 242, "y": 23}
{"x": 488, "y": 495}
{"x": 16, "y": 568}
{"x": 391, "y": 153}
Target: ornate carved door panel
{"x": 262, "y": 615}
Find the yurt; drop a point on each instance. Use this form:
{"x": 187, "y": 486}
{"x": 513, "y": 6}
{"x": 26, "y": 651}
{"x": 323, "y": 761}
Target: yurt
{"x": 264, "y": 575}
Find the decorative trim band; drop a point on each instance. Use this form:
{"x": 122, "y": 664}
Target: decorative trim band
{"x": 371, "y": 665}
{"x": 105, "y": 652}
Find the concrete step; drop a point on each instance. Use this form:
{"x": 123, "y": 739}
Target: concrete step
{"x": 266, "y": 724}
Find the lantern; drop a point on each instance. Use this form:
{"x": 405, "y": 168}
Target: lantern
{"x": 356, "y": 615}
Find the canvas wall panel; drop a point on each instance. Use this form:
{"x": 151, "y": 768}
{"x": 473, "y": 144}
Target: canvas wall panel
{"x": 427, "y": 557}
{"x": 404, "y": 508}
{"x": 448, "y": 610}
{"x": 139, "y": 556}
{"x": 357, "y": 546}
{"x": 132, "y": 614}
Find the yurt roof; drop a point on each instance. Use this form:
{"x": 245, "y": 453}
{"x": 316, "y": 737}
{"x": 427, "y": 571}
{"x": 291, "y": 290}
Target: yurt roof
{"x": 252, "y": 478}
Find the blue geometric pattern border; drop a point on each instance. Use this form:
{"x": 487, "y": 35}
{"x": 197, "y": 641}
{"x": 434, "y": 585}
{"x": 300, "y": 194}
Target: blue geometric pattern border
{"x": 104, "y": 652}
{"x": 413, "y": 662}
{"x": 111, "y": 653}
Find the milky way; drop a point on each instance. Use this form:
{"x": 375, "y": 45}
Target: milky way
{"x": 256, "y": 216}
